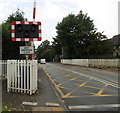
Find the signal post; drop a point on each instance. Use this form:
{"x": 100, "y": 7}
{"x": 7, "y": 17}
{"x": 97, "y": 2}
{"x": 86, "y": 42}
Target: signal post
{"x": 27, "y": 30}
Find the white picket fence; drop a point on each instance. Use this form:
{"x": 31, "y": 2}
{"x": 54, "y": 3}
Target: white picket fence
{"x": 22, "y": 76}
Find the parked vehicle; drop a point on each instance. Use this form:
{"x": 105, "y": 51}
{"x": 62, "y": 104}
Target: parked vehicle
{"x": 43, "y": 61}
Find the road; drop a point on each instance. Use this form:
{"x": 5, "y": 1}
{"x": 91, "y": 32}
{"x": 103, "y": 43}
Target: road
{"x": 83, "y": 88}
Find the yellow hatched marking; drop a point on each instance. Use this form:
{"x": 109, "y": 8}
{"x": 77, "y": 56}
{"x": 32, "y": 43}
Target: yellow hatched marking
{"x": 82, "y": 84}
{"x": 72, "y": 97}
{"x": 87, "y": 96}
{"x": 67, "y": 75}
{"x": 101, "y": 91}
{"x": 62, "y": 87}
{"x": 57, "y": 88}
{"x": 68, "y": 94}
{"x": 76, "y": 72}
{"x": 74, "y": 78}
{"x": 104, "y": 95}
{"x": 58, "y": 85}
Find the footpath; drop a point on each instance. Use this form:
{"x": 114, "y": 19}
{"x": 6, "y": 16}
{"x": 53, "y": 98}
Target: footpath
{"x": 45, "y": 99}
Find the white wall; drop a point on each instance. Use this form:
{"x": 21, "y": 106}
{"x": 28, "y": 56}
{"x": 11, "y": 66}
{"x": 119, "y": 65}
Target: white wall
{"x": 82, "y": 62}
{"x": 93, "y": 62}
{"x": 104, "y": 62}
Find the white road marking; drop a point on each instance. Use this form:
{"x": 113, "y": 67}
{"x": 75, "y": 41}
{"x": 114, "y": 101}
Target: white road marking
{"x": 52, "y": 104}
{"x": 30, "y": 103}
{"x": 93, "y": 106}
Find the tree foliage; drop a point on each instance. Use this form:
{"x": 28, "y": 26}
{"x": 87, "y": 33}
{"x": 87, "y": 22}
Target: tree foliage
{"x": 78, "y": 37}
{"x": 45, "y": 51}
{"x": 10, "y": 49}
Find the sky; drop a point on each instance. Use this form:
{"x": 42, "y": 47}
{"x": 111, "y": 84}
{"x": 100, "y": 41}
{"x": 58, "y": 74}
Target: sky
{"x": 50, "y": 12}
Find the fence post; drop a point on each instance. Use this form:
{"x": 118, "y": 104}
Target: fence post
{"x": 36, "y": 68}
{"x": 30, "y": 78}
{"x": 8, "y": 79}
{"x": 27, "y": 76}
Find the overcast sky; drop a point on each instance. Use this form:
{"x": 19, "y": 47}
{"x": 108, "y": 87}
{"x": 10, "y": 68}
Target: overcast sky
{"x": 50, "y": 12}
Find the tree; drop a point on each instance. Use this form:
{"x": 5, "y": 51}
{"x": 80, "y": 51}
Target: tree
{"x": 48, "y": 54}
{"x": 10, "y": 49}
{"x": 65, "y": 31}
{"x": 56, "y": 46}
{"x": 78, "y": 37}
{"x": 45, "y": 50}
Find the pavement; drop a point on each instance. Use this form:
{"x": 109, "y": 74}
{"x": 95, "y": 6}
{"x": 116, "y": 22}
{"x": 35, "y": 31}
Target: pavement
{"x": 46, "y": 97}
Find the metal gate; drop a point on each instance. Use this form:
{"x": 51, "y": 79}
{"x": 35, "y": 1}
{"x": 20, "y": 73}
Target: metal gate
{"x": 22, "y": 76}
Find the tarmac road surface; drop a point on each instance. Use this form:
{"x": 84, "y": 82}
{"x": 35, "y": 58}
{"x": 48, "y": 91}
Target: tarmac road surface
{"x": 83, "y": 88}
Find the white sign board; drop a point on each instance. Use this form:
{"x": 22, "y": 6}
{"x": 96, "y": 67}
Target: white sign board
{"x": 26, "y": 50}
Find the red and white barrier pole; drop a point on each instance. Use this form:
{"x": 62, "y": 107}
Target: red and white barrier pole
{"x": 34, "y": 12}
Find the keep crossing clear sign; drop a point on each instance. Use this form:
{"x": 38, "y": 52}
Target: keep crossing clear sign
{"x": 26, "y": 50}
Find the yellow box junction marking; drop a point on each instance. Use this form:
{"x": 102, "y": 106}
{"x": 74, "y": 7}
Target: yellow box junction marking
{"x": 74, "y": 78}
{"x": 94, "y": 78}
{"x": 68, "y": 94}
{"x": 101, "y": 91}
{"x": 67, "y": 75}
{"x": 60, "y": 86}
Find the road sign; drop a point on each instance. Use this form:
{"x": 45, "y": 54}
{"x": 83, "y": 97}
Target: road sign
{"x": 26, "y": 50}
{"x": 26, "y": 31}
